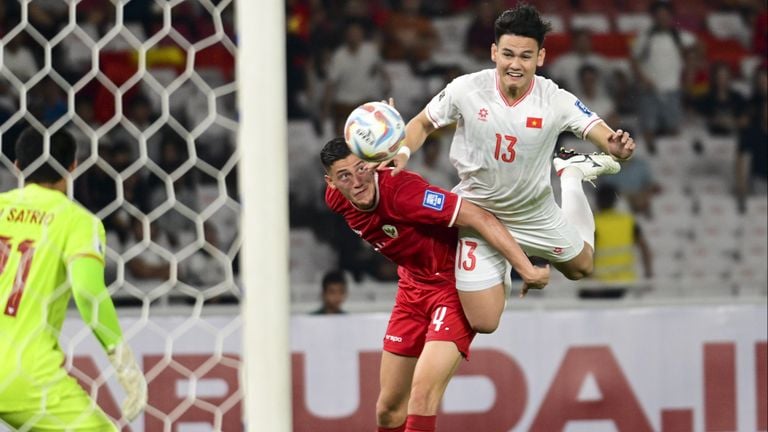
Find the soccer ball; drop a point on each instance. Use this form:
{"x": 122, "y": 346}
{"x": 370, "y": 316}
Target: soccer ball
{"x": 374, "y": 131}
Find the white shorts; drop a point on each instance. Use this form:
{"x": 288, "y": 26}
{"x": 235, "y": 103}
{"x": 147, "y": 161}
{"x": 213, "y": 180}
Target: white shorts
{"x": 480, "y": 266}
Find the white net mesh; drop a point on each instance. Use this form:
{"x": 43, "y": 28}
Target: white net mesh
{"x": 148, "y": 90}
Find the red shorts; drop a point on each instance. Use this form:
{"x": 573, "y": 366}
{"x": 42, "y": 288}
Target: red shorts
{"x": 424, "y": 313}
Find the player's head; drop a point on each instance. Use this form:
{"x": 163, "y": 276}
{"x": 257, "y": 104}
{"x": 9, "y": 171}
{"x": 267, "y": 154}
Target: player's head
{"x": 30, "y": 149}
{"x": 348, "y": 173}
{"x": 518, "y": 49}
{"x": 334, "y": 291}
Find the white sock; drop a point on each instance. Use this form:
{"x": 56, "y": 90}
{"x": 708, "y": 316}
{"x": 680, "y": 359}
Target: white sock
{"x": 575, "y": 204}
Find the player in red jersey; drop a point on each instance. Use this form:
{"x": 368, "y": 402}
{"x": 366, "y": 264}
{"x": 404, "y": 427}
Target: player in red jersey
{"x": 414, "y": 224}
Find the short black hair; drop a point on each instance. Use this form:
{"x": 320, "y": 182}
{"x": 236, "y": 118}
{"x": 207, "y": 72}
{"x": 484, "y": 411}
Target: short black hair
{"x": 333, "y": 150}
{"x": 656, "y": 6}
{"x": 334, "y": 276}
{"x": 524, "y": 20}
{"x": 30, "y": 147}
{"x": 588, "y": 68}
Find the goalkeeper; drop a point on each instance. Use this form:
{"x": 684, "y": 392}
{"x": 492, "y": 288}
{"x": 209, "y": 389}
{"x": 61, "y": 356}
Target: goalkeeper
{"x": 51, "y": 247}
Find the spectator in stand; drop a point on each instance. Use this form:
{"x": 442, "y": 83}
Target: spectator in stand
{"x": 635, "y": 183}
{"x": 408, "y": 35}
{"x": 721, "y": 106}
{"x": 173, "y": 154}
{"x": 480, "y": 36}
{"x": 624, "y": 94}
{"x": 752, "y": 157}
{"x": 19, "y": 59}
{"x": 757, "y": 95}
{"x": 146, "y": 265}
{"x": 97, "y": 189}
{"x": 617, "y": 234}
{"x": 298, "y": 52}
{"x": 565, "y": 69}
{"x": 47, "y": 101}
{"x": 696, "y": 76}
{"x": 355, "y": 75}
{"x": 435, "y": 169}
{"x": 8, "y": 100}
{"x": 10, "y": 15}
{"x": 657, "y": 62}
{"x": 589, "y": 90}
{"x": 334, "y": 294}
{"x": 760, "y": 29}
{"x": 47, "y": 16}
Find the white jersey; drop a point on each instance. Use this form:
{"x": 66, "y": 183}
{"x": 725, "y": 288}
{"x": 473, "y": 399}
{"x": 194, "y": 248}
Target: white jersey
{"x": 502, "y": 150}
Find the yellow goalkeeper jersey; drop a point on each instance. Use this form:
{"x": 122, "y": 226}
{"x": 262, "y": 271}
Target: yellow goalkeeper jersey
{"x": 41, "y": 231}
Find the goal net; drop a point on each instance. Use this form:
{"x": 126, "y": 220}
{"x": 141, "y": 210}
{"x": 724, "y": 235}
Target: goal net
{"x": 148, "y": 90}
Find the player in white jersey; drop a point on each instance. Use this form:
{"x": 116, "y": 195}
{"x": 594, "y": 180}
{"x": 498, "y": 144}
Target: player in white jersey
{"x": 508, "y": 123}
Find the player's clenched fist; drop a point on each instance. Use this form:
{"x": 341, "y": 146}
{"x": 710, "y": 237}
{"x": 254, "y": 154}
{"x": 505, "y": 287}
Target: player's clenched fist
{"x": 131, "y": 378}
{"x": 622, "y": 145}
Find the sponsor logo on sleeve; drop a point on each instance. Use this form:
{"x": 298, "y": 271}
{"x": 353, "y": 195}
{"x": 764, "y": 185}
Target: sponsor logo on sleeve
{"x": 434, "y": 200}
{"x": 580, "y": 105}
{"x": 441, "y": 96}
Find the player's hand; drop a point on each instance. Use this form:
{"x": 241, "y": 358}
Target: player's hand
{"x": 398, "y": 162}
{"x": 538, "y": 278}
{"x": 131, "y": 379}
{"x": 621, "y": 145}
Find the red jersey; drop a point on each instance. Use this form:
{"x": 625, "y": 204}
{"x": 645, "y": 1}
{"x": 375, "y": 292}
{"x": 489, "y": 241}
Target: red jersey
{"x": 411, "y": 223}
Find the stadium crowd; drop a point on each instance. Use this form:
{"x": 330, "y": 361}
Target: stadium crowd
{"x": 697, "y": 108}
{"x": 149, "y": 197}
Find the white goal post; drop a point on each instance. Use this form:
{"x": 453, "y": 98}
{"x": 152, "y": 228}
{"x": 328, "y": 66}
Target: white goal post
{"x": 264, "y": 218}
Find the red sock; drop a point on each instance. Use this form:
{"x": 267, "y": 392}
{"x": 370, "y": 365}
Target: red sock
{"x": 417, "y": 423}
{"x": 400, "y": 428}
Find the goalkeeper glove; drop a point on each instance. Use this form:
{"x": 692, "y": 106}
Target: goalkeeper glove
{"x": 130, "y": 377}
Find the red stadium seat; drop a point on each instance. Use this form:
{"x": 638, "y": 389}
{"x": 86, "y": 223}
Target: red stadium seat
{"x": 611, "y": 44}
{"x": 728, "y": 51}
{"x": 556, "y": 45}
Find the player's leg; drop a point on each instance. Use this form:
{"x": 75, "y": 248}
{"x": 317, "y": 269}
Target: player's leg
{"x": 574, "y": 169}
{"x": 484, "y": 307}
{"x": 67, "y": 408}
{"x": 579, "y": 267}
{"x": 395, "y": 377}
{"x": 448, "y": 339}
{"x": 403, "y": 343}
{"x": 434, "y": 370}
{"x": 480, "y": 271}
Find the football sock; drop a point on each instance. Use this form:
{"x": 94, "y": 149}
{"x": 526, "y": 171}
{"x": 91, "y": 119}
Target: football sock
{"x": 417, "y": 423}
{"x": 400, "y": 428}
{"x": 575, "y": 204}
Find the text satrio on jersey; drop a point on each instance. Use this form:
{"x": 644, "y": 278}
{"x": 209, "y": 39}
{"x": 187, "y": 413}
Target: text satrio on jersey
{"x": 28, "y": 216}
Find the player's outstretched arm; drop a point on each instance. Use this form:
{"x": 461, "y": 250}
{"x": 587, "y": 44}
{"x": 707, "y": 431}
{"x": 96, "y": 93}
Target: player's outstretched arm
{"x": 617, "y": 143}
{"x": 97, "y": 310}
{"x": 495, "y": 233}
{"x": 416, "y": 132}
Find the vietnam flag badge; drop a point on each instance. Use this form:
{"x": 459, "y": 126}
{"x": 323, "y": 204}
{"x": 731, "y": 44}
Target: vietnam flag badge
{"x": 533, "y": 122}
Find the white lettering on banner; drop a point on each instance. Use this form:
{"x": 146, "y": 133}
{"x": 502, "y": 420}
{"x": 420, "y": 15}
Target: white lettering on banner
{"x": 662, "y": 369}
